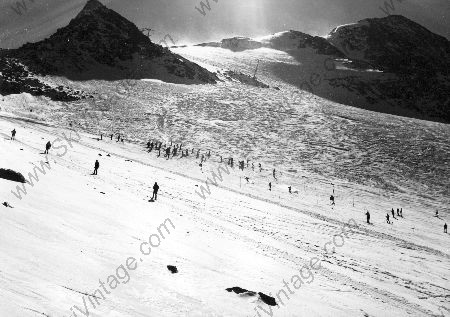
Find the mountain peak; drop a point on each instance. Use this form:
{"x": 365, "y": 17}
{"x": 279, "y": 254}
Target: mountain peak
{"x": 90, "y": 7}
{"x": 99, "y": 43}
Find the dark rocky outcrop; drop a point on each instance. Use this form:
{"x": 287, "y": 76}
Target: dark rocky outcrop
{"x": 11, "y": 175}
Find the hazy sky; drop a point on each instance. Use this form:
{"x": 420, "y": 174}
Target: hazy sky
{"x": 185, "y": 24}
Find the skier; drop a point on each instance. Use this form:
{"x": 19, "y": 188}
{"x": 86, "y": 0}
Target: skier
{"x": 270, "y": 186}
{"x": 47, "y": 147}
{"x": 168, "y": 152}
{"x": 247, "y": 179}
{"x": 368, "y": 217}
{"x": 111, "y": 137}
{"x": 101, "y": 136}
{"x": 155, "y": 191}
{"x": 290, "y": 189}
{"x": 260, "y": 168}
{"x": 118, "y": 138}
{"x": 13, "y": 134}
{"x": 332, "y": 200}
{"x": 398, "y": 212}
{"x": 437, "y": 214}
{"x": 387, "y": 218}
{"x": 401, "y": 212}
{"x": 96, "y": 166}
{"x": 274, "y": 174}
{"x": 445, "y": 228}
{"x": 393, "y": 215}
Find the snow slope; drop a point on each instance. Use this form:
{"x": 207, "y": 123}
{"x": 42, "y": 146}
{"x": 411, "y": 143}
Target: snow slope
{"x": 65, "y": 235}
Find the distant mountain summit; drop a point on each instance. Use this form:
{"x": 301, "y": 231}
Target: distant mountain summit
{"x": 395, "y": 44}
{"x": 101, "y": 44}
{"x": 283, "y": 41}
{"x": 391, "y": 65}
{"x": 295, "y": 40}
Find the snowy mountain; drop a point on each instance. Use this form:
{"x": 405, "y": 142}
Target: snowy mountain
{"x": 283, "y": 41}
{"x": 101, "y": 44}
{"x": 390, "y": 65}
{"x": 395, "y": 44}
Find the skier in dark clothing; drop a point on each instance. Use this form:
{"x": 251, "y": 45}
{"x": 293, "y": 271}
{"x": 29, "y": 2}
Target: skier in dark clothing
{"x": 118, "y": 138}
{"x": 47, "y": 147}
{"x": 445, "y": 228}
{"x": 111, "y": 136}
{"x": 368, "y": 217}
{"x": 96, "y": 166}
{"x": 274, "y": 174}
{"x": 393, "y": 214}
{"x": 290, "y": 189}
{"x": 13, "y": 134}
{"x": 155, "y": 191}
{"x": 332, "y": 200}
{"x": 270, "y": 186}
{"x": 398, "y": 212}
{"x": 387, "y": 218}
{"x": 401, "y": 212}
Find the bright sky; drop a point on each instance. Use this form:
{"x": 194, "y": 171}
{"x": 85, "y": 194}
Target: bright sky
{"x": 185, "y": 24}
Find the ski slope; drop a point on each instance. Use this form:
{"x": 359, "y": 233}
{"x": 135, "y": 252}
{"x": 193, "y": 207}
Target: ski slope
{"x": 73, "y": 229}
{"x": 65, "y": 235}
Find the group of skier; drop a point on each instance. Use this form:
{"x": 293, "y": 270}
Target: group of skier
{"x": 174, "y": 149}
{"x": 399, "y": 214}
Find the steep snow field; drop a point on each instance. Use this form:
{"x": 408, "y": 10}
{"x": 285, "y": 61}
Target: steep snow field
{"x": 72, "y": 229}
